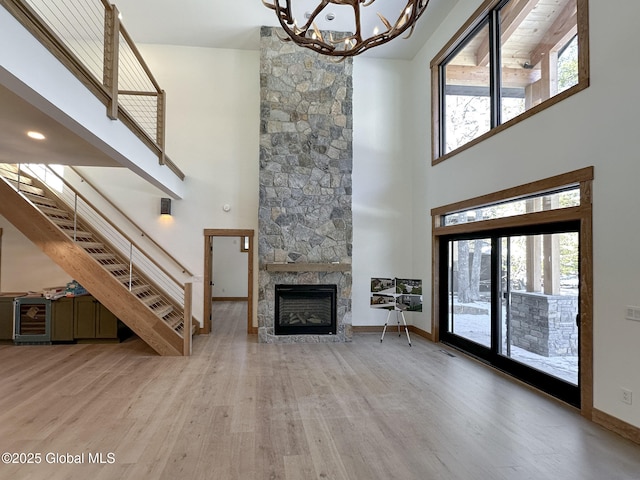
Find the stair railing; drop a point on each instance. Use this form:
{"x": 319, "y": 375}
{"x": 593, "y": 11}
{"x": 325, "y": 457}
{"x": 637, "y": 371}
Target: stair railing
{"x": 90, "y": 40}
{"x": 136, "y": 269}
{"x": 134, "y": 226}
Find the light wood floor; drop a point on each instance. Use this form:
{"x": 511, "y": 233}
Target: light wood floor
{"x": 241, "y": 410}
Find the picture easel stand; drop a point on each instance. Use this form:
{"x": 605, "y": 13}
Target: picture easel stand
{"x": 398, "y": 319}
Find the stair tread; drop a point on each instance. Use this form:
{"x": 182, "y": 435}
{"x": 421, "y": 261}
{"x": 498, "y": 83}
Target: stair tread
{"x": 41, "y": 200}
{"x": 29, "y": 189}
{"x": 138, "y": 289}
{"x": 125, "y": 278}
{"x": 90, "y": 245}
{"x": 151, "y": 300}
{"x": 77, "y": 233}
{"x": 116, "y": 267}
{"x": 163, "y": 310}
{"x": 53, "y": 211}
{"x": 175, "y": 323}
{"x": 101, "y": 257}
{"x": 13, "y": 176}
{"x": 63, "y": 222}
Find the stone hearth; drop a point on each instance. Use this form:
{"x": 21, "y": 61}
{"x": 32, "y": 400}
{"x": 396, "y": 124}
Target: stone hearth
{"x": 305, "y": 217}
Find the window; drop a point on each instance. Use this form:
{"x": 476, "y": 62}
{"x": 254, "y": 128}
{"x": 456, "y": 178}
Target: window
{"x": 563, "y": 198}
{"x": 512, "y": 59}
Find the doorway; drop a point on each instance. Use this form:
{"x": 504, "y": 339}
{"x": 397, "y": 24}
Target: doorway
{"x": 511, "y": 298}
{"x": 245, "y": 245}
{"x": 503, "y": 259}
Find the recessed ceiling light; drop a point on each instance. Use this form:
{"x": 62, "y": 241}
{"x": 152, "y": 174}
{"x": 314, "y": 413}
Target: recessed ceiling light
{"x": 35, "y": 135}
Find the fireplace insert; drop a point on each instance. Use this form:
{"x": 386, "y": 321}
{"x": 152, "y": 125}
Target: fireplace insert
{"x": 305, "y": 309}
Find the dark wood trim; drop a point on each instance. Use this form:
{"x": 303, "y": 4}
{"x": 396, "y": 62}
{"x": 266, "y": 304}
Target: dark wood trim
{"x": 586, "y": 299}
{"x": 187, "y": 345}
{"x": 421, "y": 333}
{"x": 229, "y": 299}
{"x": 367, "y": 329}
{"x": 209, "y": 233}
{"x": 308, "y": 267}
{"x": 206, "y": 283}
{"x": 0, "y": 259}
{"x": 435, "y": 282}
{"x": 378, "y": 329}
{"x": 616, "y": 425}
{"x": 565, "y": 179}
{"x": 547, "y": 216}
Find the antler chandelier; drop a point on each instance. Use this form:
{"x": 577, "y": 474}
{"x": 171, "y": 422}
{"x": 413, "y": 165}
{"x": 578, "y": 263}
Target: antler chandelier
{"x": 315, "y": 37}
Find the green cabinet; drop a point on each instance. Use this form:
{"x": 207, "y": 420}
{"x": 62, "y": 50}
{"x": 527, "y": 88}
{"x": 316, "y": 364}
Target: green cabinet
{"x": 6, "y": 316}
{"x": 62, "y": 320}
{"x": 92, "y": 321}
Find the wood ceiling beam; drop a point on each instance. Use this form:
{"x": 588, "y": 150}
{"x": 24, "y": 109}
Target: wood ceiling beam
{"x": 479, "y": 76}
{"x": 558, "y": 34}
{"x": 511, "y": 18}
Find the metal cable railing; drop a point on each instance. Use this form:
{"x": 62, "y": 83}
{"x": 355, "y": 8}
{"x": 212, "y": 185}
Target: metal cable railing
{"x": 88, "y": 35}
{"x": 80, "y": 25}
{"x": 104, "y": 242}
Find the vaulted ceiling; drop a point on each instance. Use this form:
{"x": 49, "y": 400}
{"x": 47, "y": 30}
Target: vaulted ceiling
{"x": 203, "y": 23}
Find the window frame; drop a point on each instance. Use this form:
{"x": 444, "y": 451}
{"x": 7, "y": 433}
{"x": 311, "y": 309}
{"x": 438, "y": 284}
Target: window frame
{"x": 488, "y": 9}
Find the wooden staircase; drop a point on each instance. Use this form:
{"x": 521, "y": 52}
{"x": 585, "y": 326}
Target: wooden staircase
{"x": 90, "y": 259}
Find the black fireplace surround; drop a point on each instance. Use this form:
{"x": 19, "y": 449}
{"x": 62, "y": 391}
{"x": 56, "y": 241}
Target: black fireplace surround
{"x": 305, "y": 310}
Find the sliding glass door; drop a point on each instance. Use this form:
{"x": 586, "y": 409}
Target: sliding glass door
{"x": 512, "y": 300}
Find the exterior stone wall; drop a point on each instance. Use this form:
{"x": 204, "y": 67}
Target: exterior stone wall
{"x": 306, "y": 156}
{"x": 545, "y": 324}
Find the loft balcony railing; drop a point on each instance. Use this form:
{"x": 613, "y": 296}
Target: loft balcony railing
{"x": 89, "y": 39}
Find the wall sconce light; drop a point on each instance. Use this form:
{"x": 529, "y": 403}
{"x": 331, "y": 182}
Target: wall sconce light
{"x": 165, "y": 206}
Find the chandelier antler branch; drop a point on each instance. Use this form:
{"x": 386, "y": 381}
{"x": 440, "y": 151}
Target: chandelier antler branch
{"x": 352, "y": 43}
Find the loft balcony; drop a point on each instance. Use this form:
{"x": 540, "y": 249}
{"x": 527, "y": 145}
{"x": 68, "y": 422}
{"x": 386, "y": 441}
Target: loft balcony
{"x": 70, "y": 69}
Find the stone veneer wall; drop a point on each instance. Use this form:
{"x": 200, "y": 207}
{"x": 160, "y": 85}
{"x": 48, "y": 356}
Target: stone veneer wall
{"x": 306, "y": 155}
{"x": 545, "y": 324}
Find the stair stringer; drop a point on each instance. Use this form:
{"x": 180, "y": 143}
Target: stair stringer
{"x": 78, "y": 263}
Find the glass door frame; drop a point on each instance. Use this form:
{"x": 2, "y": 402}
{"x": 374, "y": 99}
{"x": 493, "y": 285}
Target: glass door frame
{"x": 491, "y": 355}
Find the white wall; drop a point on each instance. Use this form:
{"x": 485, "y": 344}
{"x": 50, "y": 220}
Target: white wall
{"x": 213, "y": 111}
{"x": 382, "y": 181}
{"x": 23, "y": 266}
{"x": 230, "y": 268}
{"x": 596, "y": 127}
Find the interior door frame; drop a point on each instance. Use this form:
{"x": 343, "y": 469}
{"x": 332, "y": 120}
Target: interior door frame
{"x": 582, "y": 178}
{"x": 209, "y": 235}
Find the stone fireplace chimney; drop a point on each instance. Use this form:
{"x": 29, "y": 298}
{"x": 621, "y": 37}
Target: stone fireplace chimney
{"x": 305, "y": 216}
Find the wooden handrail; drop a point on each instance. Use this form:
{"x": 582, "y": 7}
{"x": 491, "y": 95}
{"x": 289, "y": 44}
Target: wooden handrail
{"x": 124, "y": 235}
{"x": 144, "y": 234}
{"x": 136, "y": 52}
{"x": 187, "y": 326}
{"x": 103, "y": 88}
